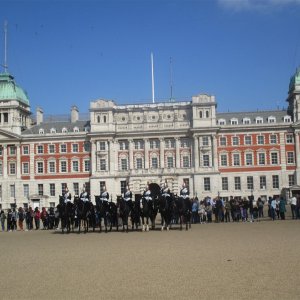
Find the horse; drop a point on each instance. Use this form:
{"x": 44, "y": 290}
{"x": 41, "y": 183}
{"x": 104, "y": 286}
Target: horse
{"x": 112, "y": 215}
{"x": 184, "y": 211}
{"x": 166, "y": 211}
{"x": 146, "y": 213}
{"x": 135, "y": 214}
{"x": 124, "y": 211}
{"x": 82, "y": 211}
{"x": 103, "y": 212}
{"x": 66, "y": 214}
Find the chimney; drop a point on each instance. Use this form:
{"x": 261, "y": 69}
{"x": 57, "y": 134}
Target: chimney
{"x": 39, "y": 116}
{"x": 74, "y": 114}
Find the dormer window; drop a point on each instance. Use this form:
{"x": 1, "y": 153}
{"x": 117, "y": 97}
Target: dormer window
{"x": 234, "y": 121}
{"x": 41, "y": 131}
{"x": 271, "y": 119}
{"x": 287, "y": 119}
{"x": 64, "y": 130}
{"x": 246, "y": 121}
{"x": 259, "y": 120}
{"x": 76, "y": 129}
{"x": 52, "y": 130}
{"x": 222, "y": 122}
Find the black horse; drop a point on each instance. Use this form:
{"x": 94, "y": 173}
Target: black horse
{"x": 166, "y": 205}
{"x": 136, "y": 214}
{"x": 103, "y": 212}
{"x": 183, "y": 208}
{"x": 125, "y": 210}
{"x": 146, "y": 213}
{"x": 112, "y": 216}
{"x": 66, "y": 214}
{"x": 82, "y": 212}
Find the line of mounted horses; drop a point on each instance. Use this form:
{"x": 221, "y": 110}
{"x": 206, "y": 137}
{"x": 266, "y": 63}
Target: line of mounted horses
{"x": 84, "y": 215}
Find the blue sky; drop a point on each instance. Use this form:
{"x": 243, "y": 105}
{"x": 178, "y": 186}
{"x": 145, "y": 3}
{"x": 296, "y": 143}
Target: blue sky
{"x": 71, "y": 52}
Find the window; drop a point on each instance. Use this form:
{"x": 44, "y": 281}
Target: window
{"x": 289, "y": 139}
{"x": 287, "y": 119}
{"x": 5, "y": 117}
{"x": 64, "y": 130}
{"x": 262, "y": 182}
{"x": 170, "y": 162}
{"x": 290, "y": 157}
{"x": 63, "y": 166}
{"x": 63, "y": 148}
{"x": 259, "y": 120}
{"x": 225, "y": 183}
{"x": 124, "y": 164}
{"x": 26, "y": 190}
{"x": 40, "y": 167}
{"x": 139, "y": 163}
{"x": 170, "y": 143}
{"x": 86, "y": 166}
{"x": 40, "y": 149}
{"x": 98, "y": 119}
{"x": 75, "y": 129}
{"x": 275, "y": 181}
{"x": 63, "y": 188}
{"x": 154, "y": 162}
{"x": 246, "y": 121}
{"x": 76, "y": 188}
{"x": 87, "y": 146}
{"x": 154, "y": 144}
{"x": 271, "y": 119}
{"x": 223, "y": 141}
{"x": 235, "y": 141}
{"x": 51, "y": 148}
{"x": 236, "y": 159}
{"x": 74, "y": 148}
{"x": 12, "y": 169}
{"x": 250, "y": 185}
{"x": 185, "y": 161}
{"x": 52, "y": 130}
{"x": 41, "y": 131}
{"x": 123, "y": 185}
{"x": 205, "y": 141}
{"x": 12, "y": 150}
{"x": 200, "y": 114}
{"x": 234, "y": 121}
{"x": 25, "y": 168}
{"x": 40, "y": 189}
{"x": 52, "y": 189}
{"x": 184, "y": 143}
{"x": 12, "y": 191}
{"x": 138, "y": 145}
{"x": 260, "y": 139}
{"x": 274, "y": 158}
{"x": 123, "y": 145}
{"x": 25, "y": 150}
{"x": 248, "y": 140}
{"x": 51, "y": 167}
{"x": 261, "y": 158}
{"x": 206, "y": 183}
{"x": 223, "y": 160}
{"x": 102, "y": 146}
{"x": 273, "y": 139}
{"x": 205, "y": 160}
{"x": 291, "y": 180}
{"x": 249, "y": 159}
{"x": 222, "y": 122}
{"x": 75, "y": 166}
{"x": 207, "y": 114}
{"x": 237, "y": 183}
{"x": 102, "y": 164}
{"x": 104, "y": 119}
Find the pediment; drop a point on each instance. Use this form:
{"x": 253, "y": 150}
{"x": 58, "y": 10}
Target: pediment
{"x": 8, "y": 136}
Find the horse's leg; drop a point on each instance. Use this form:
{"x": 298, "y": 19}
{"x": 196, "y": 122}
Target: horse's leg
{"x": 180, "y": 220}
{"x": 100, "y": 223}
{"x": 147, "y": 228}
{"x": 143, "y": 223}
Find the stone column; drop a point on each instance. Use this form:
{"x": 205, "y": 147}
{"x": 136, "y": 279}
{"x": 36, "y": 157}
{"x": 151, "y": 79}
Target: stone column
{"x": 177, "y": 147}
{"x": 131, "y": 164}
{"x": 111, "y": 156}
{"x": 4, "y": 161}
{"x": 162, "y": 152}
{"x": 146, "y": 145}
{"x": 196, "y": 153}
{"x": 215, "y": 152}
{"x": 18, "y": 166}
{"x": 93, "y": 157}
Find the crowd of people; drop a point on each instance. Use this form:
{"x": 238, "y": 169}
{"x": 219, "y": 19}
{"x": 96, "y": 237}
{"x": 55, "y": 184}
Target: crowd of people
{"x": 206, "y": 211}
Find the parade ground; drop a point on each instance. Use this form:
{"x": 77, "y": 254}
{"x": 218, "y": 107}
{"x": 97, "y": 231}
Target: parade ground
{"x": 257, "y": 260}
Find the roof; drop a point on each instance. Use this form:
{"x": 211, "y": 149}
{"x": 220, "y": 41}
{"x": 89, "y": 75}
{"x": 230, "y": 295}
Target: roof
{"x": 9, "y": 90}
{"x": 58, "y": 126}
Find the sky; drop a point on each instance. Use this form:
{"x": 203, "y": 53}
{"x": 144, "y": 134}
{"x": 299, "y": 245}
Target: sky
{"x": 66, "y": 53}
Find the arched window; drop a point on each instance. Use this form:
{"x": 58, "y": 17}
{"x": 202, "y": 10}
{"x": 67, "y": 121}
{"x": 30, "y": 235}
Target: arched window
{"x": 98, "y": 119}
{"x": 52, "y": 130}
{"x": 104, "y": 119}
{"x": 201, "y": 114}
{"x": 76, "y": 129}
{"x": 207, "y": 114}
{"x": 64, "y": 130}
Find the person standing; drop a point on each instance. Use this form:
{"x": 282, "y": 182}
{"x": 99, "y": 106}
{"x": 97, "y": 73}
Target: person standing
{"x": 227, "y": 211}
{"x": 195, "y": 208}
{"x": 293, "y": 207}
{"x": 14, "y": 216}
{"x": 2, "y": 219}
{"x": 37, "y": 217}
{"x": 8, "y": 220}
{"x": 282, "y": 208}
{"x": 44, "y": 217}
{"x": 260, "y": 206}
{"x": 273, "y": 208}
{"x": 21, "y": 218}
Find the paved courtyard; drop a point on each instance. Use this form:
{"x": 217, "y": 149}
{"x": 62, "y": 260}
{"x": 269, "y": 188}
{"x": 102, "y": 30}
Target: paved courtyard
{"x": 225, "y": 261}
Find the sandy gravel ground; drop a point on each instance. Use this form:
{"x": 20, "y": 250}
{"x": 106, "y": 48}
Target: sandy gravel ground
{"x": 225, "y": 261}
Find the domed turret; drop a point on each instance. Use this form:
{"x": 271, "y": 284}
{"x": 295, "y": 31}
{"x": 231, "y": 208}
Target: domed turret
{"x": 294, "y": 96}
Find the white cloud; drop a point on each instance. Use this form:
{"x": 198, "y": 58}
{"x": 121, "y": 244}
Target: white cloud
{"x": 256, "y": 5}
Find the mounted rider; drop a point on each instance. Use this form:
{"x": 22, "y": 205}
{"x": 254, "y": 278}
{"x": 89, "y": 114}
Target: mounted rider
{"x": 184, "y": 192}
{"x": 84, "y": 195}
{"x": 165, "y": 192}
{"x": 147, "y": 195}
{"x": 67, "y": 195}
{"x": 127, "y": 196}
{"x": 104, "y": 195}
